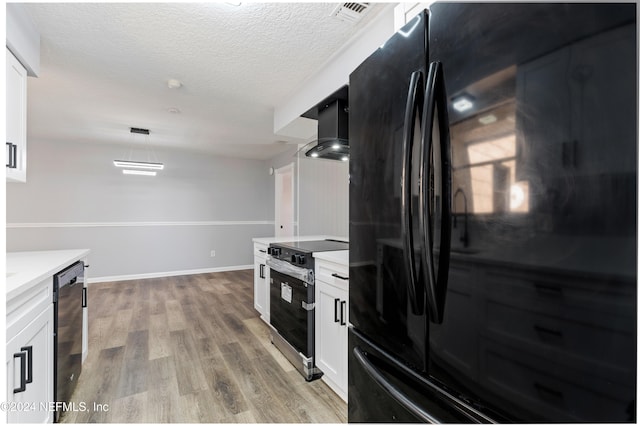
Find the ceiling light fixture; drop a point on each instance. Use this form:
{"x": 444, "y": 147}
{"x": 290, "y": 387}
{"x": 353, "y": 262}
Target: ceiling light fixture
{"x": 463, "y": 103}
{"x": 143, "y": 168}
{"x": 174, "y": 83}
{"x": 488, "y": 119}
{"x": 138, "y": 165}
{"x": 139, "y": 172}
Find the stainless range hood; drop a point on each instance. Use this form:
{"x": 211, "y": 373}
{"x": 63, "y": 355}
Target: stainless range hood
{"x": 333, "y": 127}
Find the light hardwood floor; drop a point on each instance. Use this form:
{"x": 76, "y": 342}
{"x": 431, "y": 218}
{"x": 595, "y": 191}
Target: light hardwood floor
{"x": 190, "y": 349}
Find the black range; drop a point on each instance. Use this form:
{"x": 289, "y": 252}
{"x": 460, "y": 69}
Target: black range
{"x": 292, "y": 300}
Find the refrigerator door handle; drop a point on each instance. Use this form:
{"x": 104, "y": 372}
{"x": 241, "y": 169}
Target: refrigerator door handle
{"x": 416, "y": 86}
{"x": 435, "y": 107}
{"x": 391, "y": 389}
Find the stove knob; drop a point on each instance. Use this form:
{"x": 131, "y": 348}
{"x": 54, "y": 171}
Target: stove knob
{"x": 275, "y": 251}
{"x": 301, "y": 259}
{"x": 294, "y": 258}
{"x": 269, "y": 250}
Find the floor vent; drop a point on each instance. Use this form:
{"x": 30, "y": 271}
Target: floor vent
{"x": 351, "y": 12}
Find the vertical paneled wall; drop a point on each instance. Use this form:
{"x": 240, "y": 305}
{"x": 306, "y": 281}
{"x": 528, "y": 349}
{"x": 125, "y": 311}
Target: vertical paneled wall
{"x": 323, "y": 197}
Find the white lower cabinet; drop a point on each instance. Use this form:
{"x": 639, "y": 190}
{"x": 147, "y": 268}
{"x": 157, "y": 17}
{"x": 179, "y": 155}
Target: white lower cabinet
{"x": 30, "y": 371}
{"x": 261, "y": 281}
{"x": 332, "y": 311}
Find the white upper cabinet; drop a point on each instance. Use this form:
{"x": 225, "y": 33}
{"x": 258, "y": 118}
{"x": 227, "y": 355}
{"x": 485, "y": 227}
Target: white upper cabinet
{"x": 23, "y": 58}
{"x": 16, "y": 141}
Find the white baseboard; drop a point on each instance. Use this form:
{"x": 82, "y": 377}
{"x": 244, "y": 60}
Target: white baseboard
{"x": 166, "y": 274}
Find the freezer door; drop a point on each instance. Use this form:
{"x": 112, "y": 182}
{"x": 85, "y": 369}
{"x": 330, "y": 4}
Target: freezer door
{"x": 386, "y": 289}
{"x": 381, "y": 389}
{"x": 539, "y": 314}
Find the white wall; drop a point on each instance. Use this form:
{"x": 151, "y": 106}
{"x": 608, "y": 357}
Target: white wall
{"x": 75, "y": 198}
{"x": 321, "y": 205}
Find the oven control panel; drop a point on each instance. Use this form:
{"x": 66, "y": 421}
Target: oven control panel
{"x": 292, "y": 256}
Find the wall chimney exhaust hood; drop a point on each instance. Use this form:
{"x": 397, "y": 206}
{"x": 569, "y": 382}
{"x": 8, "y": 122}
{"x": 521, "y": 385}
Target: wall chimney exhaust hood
{"x": 333, "y": 127}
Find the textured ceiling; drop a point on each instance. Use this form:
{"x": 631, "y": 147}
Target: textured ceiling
{"x": 105, "y": 67}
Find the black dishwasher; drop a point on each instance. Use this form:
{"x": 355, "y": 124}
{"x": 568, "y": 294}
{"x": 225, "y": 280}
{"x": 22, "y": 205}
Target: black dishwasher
{"x": 69, "y": 297}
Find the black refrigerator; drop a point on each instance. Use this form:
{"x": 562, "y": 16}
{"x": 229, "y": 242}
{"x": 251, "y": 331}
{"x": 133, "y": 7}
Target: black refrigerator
{"x": 493, "y": 217}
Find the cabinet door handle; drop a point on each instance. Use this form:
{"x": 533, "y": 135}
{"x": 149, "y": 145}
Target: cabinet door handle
{"x": 262, "y": 251}
{"x": 10, "y": 148}
{"x": 339, "y": 276}
{"x": 262, "y": 275}
{"x": 84, "y": 297}
{"x": 29, "y": 351}
{"x": 335, "y": 310}
{"x": 13, "y": 155}
{"x": 23, "y": 368}
{"x": 343, "y": 304}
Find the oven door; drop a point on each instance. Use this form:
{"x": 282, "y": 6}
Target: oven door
{"x": 292, "y": 310}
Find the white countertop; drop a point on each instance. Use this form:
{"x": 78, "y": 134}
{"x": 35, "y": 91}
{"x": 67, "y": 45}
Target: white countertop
{"x": 339, "y": 256}
{"x": 269, "y": 240}
{"x": 28, "y": 268}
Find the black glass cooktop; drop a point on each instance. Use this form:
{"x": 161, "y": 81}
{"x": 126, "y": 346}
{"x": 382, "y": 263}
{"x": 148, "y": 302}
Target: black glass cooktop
{"x": 314, "y": 246}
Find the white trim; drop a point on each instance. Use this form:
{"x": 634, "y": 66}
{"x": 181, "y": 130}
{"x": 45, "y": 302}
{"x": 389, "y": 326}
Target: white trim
{"x": 141, "y": 224}
{"x": 167, "y": 274}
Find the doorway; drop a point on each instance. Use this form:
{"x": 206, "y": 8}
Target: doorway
{"x": 284, "y": 201}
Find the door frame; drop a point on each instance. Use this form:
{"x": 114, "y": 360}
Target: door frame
{"x": 281, "y": 204}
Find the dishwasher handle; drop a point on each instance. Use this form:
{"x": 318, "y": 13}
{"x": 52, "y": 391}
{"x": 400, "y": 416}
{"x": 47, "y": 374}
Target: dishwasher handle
{"x": 70, "y": 275}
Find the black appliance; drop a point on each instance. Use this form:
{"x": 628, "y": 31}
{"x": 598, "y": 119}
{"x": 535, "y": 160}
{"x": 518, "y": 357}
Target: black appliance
{"x": 493, "y": 235}
{"x": 332, "y": 114}
{"x": 69, "y": 299}
{"x": 292, "y": 300}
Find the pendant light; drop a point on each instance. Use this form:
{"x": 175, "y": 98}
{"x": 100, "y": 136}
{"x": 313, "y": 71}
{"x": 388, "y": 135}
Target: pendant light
{"x": 141, "y": 168}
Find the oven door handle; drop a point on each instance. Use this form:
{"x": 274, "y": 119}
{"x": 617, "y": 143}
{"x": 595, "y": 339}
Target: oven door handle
{"x": 302, "y": 274}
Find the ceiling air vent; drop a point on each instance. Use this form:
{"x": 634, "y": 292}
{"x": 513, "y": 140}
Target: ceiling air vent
{"x": 350, "y": 12}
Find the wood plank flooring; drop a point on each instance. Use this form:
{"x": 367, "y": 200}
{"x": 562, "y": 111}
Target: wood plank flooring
{"x": 190, "y": 349}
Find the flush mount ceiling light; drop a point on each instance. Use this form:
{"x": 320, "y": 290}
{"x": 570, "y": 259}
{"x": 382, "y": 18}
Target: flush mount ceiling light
{"x": 135, "y": 167}
{"x": 138, "y": 172}
{"x": 488, "y": 119}
{"x": 174, "y": 83}
{"x": 463, "y": 103}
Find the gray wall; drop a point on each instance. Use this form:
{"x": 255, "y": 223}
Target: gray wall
{"x": 135, "y": 225}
